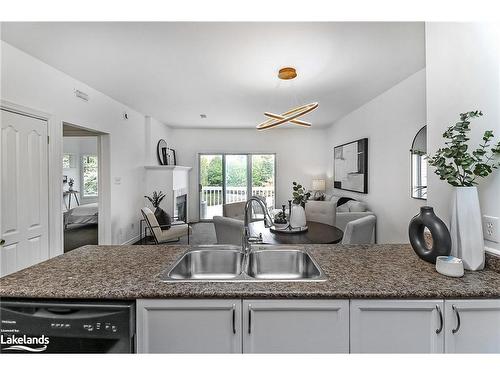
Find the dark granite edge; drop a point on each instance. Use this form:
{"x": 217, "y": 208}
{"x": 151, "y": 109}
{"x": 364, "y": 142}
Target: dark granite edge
{"x": 492, "y": 262}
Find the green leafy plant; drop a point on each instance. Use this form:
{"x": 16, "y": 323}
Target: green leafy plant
{"x": 299, "y": 194}
{"x": 455, "y": 163}
{"x": 156, "y": 198}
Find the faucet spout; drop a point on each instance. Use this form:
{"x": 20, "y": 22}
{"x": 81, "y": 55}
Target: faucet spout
{"x": 268, "y": 221}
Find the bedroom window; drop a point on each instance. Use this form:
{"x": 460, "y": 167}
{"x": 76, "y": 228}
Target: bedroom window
{"x": 68, "y": 161}
{"x": 89, "y": 175}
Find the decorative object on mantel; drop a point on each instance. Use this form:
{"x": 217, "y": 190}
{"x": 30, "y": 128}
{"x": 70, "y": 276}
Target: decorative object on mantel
{"x": 351, "y": 166}
{"x": 461, "y": 169}
{"x": 162, "y": 217}
{"x": 441, "y": 240}
{"x": 293, "y": 114}
{"x": 70, "y": 184}
{"x": 161, "y": 151}
{"x": 166, "y": 155}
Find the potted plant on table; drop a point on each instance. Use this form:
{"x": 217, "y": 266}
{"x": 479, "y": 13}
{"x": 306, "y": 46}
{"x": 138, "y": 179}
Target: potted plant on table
{"x": 297, "y": 212}
{"x": 462, "y": 169}
{"x": 163, "y": 218}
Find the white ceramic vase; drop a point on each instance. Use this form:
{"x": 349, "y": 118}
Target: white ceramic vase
{"x": 466, "y": 228}
{"x": 297, "y": 216}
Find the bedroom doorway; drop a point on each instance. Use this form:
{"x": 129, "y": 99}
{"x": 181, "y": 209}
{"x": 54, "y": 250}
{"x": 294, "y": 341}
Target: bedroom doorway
{"x": 81, "y": 163}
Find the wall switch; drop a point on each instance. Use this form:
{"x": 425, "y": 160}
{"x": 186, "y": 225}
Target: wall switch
{"x": 118, "y": 180}
{"x": 490, "y": 228}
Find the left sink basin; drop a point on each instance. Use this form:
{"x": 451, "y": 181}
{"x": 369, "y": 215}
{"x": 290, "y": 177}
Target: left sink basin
{"x": 207, "y": 263}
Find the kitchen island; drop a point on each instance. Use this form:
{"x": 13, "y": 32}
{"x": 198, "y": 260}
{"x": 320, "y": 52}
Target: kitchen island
{"x": 352, "y": 271}
{"x": 376, "y": 298}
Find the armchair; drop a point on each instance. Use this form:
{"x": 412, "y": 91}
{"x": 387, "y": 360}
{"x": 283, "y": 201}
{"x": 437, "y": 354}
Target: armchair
{"x": 161, "y": 235}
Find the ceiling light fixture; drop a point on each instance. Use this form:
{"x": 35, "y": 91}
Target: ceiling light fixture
{"x": 293, "y": 114}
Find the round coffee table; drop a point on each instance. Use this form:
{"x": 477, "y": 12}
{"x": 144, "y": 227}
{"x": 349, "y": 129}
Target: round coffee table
{"x": 317, "y": 233}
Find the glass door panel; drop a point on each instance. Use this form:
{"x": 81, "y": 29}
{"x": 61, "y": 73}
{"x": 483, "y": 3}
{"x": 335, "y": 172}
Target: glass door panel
{"x": 236, "y": 178}
{"x": 263, "y": 171}
{"x": 211, "y": 194}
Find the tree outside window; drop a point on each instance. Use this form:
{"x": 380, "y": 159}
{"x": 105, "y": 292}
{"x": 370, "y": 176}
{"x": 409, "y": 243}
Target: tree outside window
{"x": 89, "y": 175}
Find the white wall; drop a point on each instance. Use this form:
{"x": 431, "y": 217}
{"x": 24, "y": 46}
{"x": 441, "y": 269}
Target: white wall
{"x": 155, "y": 131}
{"x": 78, "y": 146}
{"x": 29, "y": 82}
{"x": 300, "y": 154}
{"x": 390, "y": 122}
{"x": 463, "y": 74}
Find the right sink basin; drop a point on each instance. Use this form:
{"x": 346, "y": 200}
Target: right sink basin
{"x": 283, "y": 264}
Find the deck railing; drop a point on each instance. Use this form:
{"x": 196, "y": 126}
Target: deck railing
{"x": 212, "y": 195}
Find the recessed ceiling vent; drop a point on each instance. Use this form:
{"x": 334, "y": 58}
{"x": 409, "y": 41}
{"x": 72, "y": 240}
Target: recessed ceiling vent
{"x": 82, "y": 95}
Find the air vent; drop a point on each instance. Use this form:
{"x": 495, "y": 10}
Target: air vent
{"x": 203, "y": 115}
{"x": 82, "y": 95}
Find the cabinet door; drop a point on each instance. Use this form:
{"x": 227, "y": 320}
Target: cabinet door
{"x": 397, "y": 326}
{"x": 189, "y": 326}
{"x": 295, "y": 326}
{"x": 472, "y": 326}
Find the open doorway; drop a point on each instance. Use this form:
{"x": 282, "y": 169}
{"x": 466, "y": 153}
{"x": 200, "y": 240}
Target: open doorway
{"x": 81, "y": 186}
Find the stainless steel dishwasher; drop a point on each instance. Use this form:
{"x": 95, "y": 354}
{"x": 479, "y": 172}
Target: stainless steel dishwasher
{"x": 40, "y": 326}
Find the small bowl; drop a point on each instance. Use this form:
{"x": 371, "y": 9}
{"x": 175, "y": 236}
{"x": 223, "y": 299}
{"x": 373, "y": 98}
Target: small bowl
{"x": 450, "y": 266}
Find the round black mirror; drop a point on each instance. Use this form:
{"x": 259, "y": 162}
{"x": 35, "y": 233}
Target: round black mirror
{"x": 162, "y": 151}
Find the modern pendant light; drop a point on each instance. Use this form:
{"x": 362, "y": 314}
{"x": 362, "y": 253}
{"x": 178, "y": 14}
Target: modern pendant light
{"x": 293, "y": 114}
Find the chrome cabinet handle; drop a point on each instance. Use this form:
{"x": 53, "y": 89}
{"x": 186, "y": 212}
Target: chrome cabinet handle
{"x": 457, "y": 314}
{"x": 234, "y": 318}
{"x": 438, "y": 331}
{"x": 249, "y": 319}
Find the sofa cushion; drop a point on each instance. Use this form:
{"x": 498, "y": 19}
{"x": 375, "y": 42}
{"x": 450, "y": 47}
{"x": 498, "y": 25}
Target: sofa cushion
{"x": 356, "y": 206}
{"x": 343, "y": 208}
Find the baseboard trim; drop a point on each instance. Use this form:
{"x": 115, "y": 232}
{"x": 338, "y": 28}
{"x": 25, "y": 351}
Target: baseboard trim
{"x": 132, "y": 241}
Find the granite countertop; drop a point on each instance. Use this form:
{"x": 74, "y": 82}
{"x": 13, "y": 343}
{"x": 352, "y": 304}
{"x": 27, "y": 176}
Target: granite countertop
{"x": 354, "y": 271}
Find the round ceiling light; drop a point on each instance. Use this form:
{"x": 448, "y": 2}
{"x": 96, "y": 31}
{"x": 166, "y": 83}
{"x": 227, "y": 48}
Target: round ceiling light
{"x": 287, "y": 73}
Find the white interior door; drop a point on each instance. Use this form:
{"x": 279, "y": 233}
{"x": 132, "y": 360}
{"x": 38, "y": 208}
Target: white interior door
{"x": 23, "y": 191}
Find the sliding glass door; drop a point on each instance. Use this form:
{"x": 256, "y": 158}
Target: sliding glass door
{"x": 231, "y": 178}
{"x": 236, "y": 178}
{"x": 211, "y": 194}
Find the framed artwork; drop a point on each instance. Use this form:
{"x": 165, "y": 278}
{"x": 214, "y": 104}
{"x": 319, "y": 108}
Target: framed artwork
{"x": 350, "y": 166}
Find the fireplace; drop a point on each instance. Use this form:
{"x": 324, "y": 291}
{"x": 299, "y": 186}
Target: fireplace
{"x": 181, "y": 207}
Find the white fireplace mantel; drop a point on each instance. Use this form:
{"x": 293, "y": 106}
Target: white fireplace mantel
{"x": 173, "y": 180}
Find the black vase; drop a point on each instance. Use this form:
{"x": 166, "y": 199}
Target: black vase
{"x": 441, "y": 239}
{"x": 163, "y": 218}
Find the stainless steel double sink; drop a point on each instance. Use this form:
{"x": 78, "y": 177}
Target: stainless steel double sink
{"x": 229, "y": 264}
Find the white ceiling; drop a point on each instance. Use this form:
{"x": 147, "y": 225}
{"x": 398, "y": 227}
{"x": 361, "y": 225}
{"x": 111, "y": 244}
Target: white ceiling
{"x": 228, "y": 71}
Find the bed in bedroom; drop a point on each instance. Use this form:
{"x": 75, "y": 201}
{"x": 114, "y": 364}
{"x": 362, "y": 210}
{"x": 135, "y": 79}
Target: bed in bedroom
{"x": 83, "y": 214}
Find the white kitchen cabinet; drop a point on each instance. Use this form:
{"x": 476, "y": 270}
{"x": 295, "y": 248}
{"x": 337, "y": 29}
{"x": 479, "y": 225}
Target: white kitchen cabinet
{"x": 472, "y": 326}
{"x": 189, "y": 326}
{"x": 397, "y": 326}
{"x": 295, "y": 326}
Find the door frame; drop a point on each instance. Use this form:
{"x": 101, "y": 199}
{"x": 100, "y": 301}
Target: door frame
{"x": 104, "y": 182}
{"x": 54, "y": 202}
{"x": 249, "y": 174}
